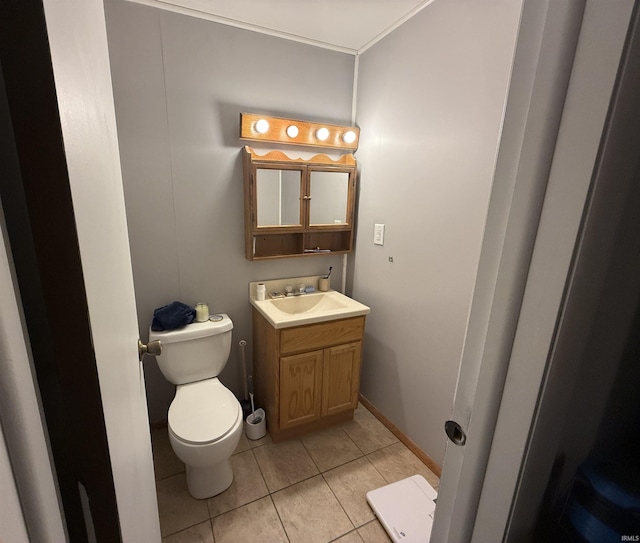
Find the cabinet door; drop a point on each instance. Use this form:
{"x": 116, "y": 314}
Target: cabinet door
{"x": 300, "y": 388}
{"x": 277, "y": 200}
{"x": 341, "y": 378}
{"x": 330, "y": 198}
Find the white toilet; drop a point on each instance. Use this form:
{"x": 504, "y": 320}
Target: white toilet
{"x": 205, "y": 418}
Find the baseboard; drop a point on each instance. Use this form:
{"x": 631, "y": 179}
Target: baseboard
{"x": 424, "y": 457}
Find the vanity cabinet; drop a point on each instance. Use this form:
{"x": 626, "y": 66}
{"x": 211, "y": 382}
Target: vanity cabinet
{"x": 307, "y": 377}
{"x": 297, "y": 207}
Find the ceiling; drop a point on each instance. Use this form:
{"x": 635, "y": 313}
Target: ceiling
{"x": 350, "y": 26}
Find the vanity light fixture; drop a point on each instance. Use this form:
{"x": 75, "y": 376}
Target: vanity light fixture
{"x": 322, "y": 133}
{"x": 264, "y": 128}
{"x": 349, "y": 136}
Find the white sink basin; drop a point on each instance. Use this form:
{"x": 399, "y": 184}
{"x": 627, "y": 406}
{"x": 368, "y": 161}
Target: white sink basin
{"x": 308, "y": 303}
{"x": 308, "y": 308}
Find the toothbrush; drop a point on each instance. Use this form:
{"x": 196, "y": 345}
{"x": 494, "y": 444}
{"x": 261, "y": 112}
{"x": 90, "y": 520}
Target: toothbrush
{"x": 327, "y": 276}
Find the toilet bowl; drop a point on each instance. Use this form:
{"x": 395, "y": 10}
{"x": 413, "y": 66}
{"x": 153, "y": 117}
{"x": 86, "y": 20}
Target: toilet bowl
{"x": 205, "y": 425}
{"x": 205, "y": 418}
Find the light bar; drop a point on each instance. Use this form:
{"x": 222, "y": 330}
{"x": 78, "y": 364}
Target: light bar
{"x": 257, "y": 127}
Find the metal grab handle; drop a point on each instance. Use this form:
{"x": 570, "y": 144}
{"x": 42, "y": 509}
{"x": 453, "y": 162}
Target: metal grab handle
{"x": 153, "y": 347}
{"x": 455, "y": 433}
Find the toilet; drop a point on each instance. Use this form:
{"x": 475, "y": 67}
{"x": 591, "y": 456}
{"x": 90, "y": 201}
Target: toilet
{"x": 205, "y": 418}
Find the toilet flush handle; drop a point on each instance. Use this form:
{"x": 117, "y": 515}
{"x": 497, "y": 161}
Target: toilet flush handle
{"x": 153, "y": 347}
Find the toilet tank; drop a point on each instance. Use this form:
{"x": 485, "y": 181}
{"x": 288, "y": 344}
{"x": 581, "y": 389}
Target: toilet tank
{"x": 194, "y": 352}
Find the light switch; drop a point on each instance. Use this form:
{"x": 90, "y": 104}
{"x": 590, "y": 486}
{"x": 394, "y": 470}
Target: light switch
{"x": 378, "y": 234}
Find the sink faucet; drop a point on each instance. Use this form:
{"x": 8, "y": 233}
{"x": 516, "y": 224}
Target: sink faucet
{"x": 289, "y": 291}
{"x": 300, "y": 289}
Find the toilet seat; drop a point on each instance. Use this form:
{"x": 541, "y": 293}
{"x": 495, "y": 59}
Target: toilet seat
{"x": 203, "y": 412}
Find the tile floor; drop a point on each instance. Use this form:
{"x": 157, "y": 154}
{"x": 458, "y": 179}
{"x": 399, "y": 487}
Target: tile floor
{"x": 306, "y": 490}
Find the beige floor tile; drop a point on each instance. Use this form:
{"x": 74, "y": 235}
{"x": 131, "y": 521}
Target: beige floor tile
{"x": 310, "y": 512}
{"x": 396, "y": 462}
{"x": 243, "y": 444}
{"x": 367, "y": 432}
{"x": 311, "y": 507}
{"x": 200, "y": 533}
{"x": 255, "y": 522}
{"x": 283, "y": 464}
{"x": 165, "y": 461}
{"x": 177, "y": 509}
{"x": 373, "y": 533}
{"x": 351, "y": 537}
{"x": 248, "y": 485}
{"x": 350, "y": 483}
{"x": 330, "y": 448}
{"x": 253, "y": 443}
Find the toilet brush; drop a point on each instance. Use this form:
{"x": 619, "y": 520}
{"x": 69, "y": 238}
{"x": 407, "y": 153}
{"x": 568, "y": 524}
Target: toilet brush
{"x": 245, "y": 386}
{"x": 254, "y": 419}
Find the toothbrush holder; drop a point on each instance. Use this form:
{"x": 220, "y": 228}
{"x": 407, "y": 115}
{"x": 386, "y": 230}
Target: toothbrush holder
{"x": 324, "y": 284}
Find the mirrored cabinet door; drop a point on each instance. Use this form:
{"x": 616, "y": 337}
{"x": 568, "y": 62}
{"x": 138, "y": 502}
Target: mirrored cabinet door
{"x": 278, "y": 197}
{"x": 328, "y": 198}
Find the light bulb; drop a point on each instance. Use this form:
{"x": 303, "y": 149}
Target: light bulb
{"x": 322, "y": 133}
{"x": 349, "y": 136}
{"x": 292, "y": 131}
{"x": 262, "y": 126}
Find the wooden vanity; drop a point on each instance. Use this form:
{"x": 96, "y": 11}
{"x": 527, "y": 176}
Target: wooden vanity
{"x": 306, "y": 377}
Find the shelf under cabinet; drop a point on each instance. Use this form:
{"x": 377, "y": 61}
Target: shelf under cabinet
{"x": 274, "y": 245}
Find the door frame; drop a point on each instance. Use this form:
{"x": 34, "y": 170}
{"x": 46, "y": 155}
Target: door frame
{"x": 96, "y": 330}
{"x": 554, "y": 118}
{"x": 602, "y": 274}
{"x": 542, "y": 63}
{"x": 50, "y": 295}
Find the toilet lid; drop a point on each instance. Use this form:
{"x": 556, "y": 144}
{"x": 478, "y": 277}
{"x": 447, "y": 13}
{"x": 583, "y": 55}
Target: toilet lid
{"x": 203, "y": 412}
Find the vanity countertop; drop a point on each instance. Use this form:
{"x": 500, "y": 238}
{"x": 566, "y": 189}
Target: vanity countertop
{"x": 297, "y": 310}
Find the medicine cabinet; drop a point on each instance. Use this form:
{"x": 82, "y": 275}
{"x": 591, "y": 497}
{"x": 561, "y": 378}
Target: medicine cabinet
{"x": 297, "y": 207}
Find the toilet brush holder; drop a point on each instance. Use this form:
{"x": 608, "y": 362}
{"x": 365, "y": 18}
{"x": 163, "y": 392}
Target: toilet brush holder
{"x": 256, "y": 425}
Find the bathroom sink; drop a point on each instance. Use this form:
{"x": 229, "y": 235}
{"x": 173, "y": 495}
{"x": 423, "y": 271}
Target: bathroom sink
{"x": 307, "y": 303}
{"x": 304, "y": 308}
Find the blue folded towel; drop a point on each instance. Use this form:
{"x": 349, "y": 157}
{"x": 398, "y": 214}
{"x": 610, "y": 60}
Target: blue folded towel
{"x": 172, "y": 316}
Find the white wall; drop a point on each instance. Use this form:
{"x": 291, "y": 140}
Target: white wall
{"x": 179, "y": 85}
{"x": 430, "y": 105}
